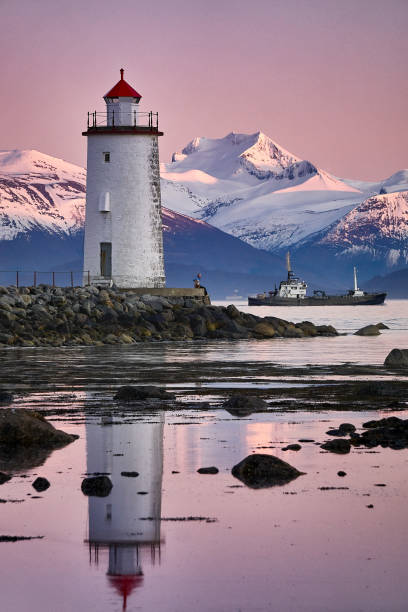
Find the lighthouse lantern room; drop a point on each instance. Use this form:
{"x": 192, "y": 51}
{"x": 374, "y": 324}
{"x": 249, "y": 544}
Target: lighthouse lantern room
{"x": 123, "y": 227}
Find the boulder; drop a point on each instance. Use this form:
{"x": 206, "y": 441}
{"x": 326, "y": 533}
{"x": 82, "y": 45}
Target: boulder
{"x": 259, "y": 471}
{"x": 368, "y": 330}
{"x": 382, "y": 326}
{"x": 136, "y": 394}
{"x": 233, "y": 311}
{"x": 293, "y": 447}
{"x": 208, "y": 470}
{"x": 96, "y": 486}
{"x": 243, "y": 405}
{"x": 264, "y": 329}
{"x": 326, "y": 330}
{"x": 4, "y": 478}
{"x": 26, "y": 428}
{"x": 340, "y": 446}
{"x": 397, "y": 358}
{"x": 41, "y": 484}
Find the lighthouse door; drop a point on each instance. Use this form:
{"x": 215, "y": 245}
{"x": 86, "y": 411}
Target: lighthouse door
{"x": 106, "y": 259}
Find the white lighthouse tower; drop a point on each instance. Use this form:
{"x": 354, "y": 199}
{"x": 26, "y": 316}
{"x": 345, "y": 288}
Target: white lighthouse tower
{"x": 123, "y": 227}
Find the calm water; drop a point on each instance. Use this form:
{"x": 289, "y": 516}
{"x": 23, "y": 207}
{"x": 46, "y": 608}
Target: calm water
{"x": 292, "y": 548}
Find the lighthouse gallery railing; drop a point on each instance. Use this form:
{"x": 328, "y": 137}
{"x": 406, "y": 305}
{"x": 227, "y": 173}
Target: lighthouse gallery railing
{"x": 120, "y": 119}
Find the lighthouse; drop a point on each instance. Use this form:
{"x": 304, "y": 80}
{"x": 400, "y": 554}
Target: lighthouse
{"x": 123, "y": 226}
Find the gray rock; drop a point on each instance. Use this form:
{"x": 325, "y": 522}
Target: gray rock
{"x": 340, "y": 446}
{"x": 259, "y": 471}
{"x": 368, "y": 330}
{"x": 41, "y": 484}
{"x": 208, "y": 470}
{"x": 25, "y": 428}
{"x": 243, "y": 405}
{"x": 4, "y": 478}
{"x": 96, "y": 486}
{"x": 397, "y": 358}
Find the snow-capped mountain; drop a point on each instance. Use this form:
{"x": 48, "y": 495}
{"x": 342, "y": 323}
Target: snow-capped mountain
{"x": 252, "y": 188}
{"x": 39, "y": 192}
{"x": 378, "y": 226}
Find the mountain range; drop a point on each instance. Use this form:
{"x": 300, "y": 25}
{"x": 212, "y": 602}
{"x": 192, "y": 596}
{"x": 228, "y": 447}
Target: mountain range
{"x": 232, "y": 207}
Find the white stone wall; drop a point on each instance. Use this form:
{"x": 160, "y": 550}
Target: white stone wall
{"x": 133, "y": 225}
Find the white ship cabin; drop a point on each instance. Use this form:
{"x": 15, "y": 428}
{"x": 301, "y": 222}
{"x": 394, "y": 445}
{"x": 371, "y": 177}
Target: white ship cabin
{"x": 292, "y": 288}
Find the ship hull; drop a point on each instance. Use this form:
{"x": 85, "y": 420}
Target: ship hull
{"x": 368, "y": 299}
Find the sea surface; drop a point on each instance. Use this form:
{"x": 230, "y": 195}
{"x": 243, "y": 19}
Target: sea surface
{"x": 174, "y": 540}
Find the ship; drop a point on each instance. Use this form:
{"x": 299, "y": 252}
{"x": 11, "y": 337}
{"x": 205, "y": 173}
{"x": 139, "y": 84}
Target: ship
{"x": 292, "y": 292}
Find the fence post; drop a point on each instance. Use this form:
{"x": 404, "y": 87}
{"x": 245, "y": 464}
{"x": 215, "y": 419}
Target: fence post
{"x": 72, "y": 279}
{"x": 35, "y": 279}
{"x": 53, "y": 279}
{"x": 17, "y": 279}
{"x": 89, "y": 277}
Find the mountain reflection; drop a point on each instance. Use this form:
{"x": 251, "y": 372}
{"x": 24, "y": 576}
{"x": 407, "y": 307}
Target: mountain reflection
{"x": 127, "y": 522}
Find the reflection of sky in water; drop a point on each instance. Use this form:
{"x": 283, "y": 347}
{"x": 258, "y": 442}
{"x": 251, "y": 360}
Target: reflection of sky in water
{"x": 288, "y": 548}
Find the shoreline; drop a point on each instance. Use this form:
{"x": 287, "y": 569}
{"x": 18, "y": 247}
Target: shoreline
{"x": 92, "y": 316}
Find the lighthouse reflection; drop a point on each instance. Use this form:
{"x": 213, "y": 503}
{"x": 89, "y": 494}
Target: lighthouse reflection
{"x": 127, "y": 522}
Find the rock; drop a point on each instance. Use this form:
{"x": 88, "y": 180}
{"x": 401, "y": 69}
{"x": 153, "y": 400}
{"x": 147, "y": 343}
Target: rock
{"x": 233, "y": 312}
{"x": 382, "y": 326}
{"x": 346, "y": 428}
{"x": 259, "y": 471}
{"x": 341, "y": 473}
{"x": 389, "y": 432}
{"x": 368, "y": 330}
{"x": 137, "y": 394}
{"x": 25, "y": 428}
{"x": 208, "y": 470}
{"x": 41, "y": 484}
{"x": 294, "y": 447}
{"x": 5, "y": 397}
{"x": 326, "y": 330}
{"x": 243, "y": 405}
{"x": 264, "y": 329}
{"x": 130, "y": 474}
{"x": 96, "y": 486}
{"x": 341, "y": 446}
{"x": 4, "y": 478}
{"x": 397, "y": 358}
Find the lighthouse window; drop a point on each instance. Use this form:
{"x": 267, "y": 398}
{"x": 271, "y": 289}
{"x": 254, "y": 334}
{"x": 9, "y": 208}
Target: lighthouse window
{"x": 106, "y": 157}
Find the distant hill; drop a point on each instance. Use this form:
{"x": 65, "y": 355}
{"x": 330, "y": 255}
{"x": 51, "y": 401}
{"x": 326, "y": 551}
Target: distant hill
{"x": 395, "y": 283}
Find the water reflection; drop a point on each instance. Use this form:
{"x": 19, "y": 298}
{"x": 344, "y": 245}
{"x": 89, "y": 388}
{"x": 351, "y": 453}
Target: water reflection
{"x": 127, "y": 522}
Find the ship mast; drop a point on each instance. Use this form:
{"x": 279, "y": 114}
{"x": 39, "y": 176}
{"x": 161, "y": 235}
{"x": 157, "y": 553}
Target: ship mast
{"x": 355, "y": 279}
{"x": 288, "y": 266}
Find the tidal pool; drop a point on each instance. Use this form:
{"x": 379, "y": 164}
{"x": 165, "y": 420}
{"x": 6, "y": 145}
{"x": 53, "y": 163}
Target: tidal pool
{"x": 294, "y": 547}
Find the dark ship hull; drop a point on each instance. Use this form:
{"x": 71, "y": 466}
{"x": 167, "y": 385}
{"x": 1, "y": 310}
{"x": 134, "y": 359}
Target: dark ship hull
{"x": 368, "y": 299}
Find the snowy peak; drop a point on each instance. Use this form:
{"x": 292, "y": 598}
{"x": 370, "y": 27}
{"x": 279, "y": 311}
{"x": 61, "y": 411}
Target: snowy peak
{"x": 265, "y": 157}
{"x": 29, "y": 163}
{"x": 236, "y": 155}
{"x": 38, "y": 191}
{"x": 379, "y": 219}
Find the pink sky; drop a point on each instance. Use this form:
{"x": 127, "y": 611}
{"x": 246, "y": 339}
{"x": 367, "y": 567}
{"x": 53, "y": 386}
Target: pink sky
{"x": 327, "y": 79}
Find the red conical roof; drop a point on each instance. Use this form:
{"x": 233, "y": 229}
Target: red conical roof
{"x": 122, "y": 89}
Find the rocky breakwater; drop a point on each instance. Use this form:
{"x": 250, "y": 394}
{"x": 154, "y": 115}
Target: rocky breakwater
{"x": 55, "y": 316}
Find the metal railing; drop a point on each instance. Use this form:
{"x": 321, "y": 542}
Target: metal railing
{"x": 121, "y": 119}
{"x": 33, "y": 278}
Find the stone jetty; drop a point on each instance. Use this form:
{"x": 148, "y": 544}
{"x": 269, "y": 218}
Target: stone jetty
{"x": 87, "y": 316}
